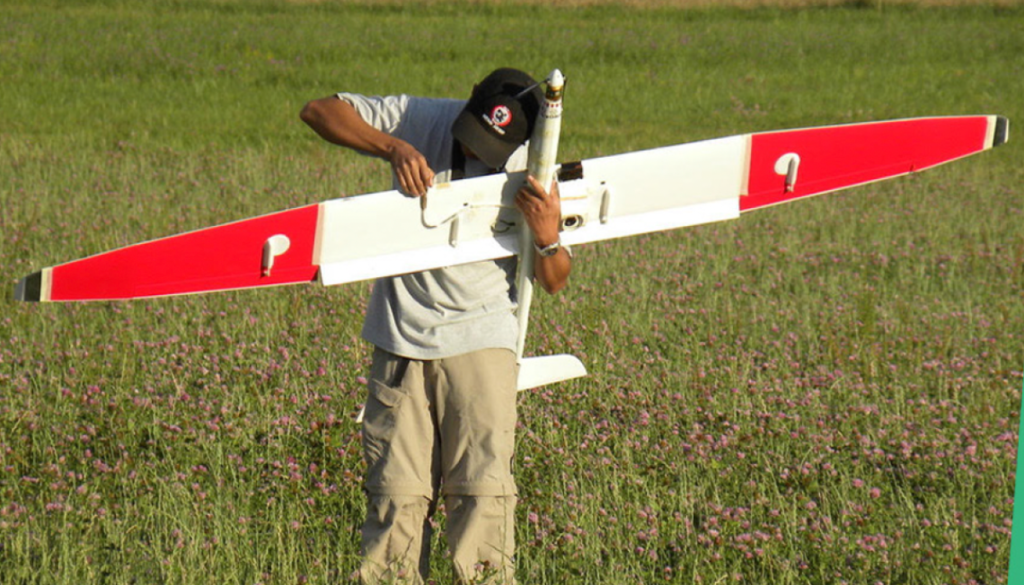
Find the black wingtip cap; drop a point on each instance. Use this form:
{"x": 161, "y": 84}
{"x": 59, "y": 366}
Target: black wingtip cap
{"x": 1002, "y": 131}
{"x": 29, "y": 288}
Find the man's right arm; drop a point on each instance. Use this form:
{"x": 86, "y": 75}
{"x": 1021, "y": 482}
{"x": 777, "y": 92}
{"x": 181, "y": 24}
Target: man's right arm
{"x": 337, "y": 122}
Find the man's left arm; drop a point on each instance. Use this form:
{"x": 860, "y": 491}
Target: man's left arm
{"x": 543, "y": 212}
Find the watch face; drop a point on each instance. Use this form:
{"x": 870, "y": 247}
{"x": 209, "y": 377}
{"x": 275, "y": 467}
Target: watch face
{"x": 549, "y": 250}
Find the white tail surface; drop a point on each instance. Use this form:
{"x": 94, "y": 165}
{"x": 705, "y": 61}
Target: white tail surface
{"x": 548, "y": 369}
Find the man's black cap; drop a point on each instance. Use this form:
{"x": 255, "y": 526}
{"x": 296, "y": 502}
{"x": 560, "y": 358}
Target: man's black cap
{"x": 499, "y": 116}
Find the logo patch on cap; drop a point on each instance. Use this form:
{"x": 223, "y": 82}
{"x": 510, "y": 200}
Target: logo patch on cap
{"x": 500, "y": 117}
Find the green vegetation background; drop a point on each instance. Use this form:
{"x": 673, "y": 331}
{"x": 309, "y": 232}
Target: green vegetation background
{"x": 818, "y": 393}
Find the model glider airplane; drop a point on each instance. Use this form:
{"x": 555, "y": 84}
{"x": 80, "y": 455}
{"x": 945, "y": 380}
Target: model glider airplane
{"x": 384, "y": 234}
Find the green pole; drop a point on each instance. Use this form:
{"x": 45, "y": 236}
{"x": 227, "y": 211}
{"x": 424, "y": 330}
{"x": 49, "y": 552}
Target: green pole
{"x": 1017, "y": 537}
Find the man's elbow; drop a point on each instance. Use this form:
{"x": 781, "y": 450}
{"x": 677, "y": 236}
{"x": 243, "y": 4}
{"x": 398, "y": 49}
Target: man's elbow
{"x": 320, "y": 112}
{"x": 311, "y": 113}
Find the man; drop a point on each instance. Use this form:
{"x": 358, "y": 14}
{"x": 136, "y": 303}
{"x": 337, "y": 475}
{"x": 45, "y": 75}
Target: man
{"x": 440, "y": 416}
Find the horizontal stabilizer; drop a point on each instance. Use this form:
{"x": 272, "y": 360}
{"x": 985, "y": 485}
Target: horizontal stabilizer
{"x": 542, "y": 370}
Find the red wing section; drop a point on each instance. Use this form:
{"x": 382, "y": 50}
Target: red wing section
{"x": 229, "y": 256}
{"x": 792, "y": 164}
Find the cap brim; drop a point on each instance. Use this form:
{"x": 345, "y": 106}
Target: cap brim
{"x": 469, "y": 130}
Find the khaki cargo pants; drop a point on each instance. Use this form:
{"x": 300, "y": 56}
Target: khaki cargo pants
{"x": 433, "y": 427}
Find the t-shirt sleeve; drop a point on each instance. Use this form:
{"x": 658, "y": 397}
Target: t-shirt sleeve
{"x": 383, "y": 113}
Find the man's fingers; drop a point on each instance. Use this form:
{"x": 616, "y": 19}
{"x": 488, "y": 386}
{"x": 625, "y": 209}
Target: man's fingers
{"x": 415, "y": 184}
{"x": 414, "y": 174}
{"x": 405, "y": 181}
{"x": 415, "y": 178}
{"x": 534, "y": 188}
{"x": 533, "y": 191}
{"x": 427, "y": 177}
{"x": 524, "y": 200}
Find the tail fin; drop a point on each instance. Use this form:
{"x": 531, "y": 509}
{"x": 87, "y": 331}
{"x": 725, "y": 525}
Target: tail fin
{"x": 542, "y": 370}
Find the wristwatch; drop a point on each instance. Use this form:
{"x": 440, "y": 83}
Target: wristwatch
{"x": 549, "y": 250}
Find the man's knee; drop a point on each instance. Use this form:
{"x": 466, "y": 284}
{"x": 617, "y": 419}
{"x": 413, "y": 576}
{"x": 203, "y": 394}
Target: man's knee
{"x": 481, "y": 536}
{"x": 396, "y": 539}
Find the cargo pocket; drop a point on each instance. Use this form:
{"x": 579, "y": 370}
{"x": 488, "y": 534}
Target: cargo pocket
{"x": 379, "y": 421}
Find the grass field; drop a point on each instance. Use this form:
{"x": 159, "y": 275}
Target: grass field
{"x": 826, "y": 392}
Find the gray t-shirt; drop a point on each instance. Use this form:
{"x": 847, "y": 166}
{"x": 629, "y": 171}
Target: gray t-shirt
{"x": 448, "y": 311}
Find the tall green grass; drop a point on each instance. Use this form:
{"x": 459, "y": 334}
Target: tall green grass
{"x": 823, "y": 392}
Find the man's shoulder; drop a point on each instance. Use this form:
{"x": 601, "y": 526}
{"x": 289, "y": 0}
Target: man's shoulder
{"x": 403, "y": 101}
{"x": 445, "y": 107}
{"x": 409, "y": 117}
